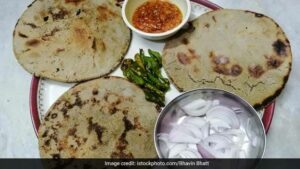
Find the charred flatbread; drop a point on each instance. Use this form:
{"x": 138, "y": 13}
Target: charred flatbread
{"x": 103, "y": 118}
{"x": 71, "y": 40}
{"x": 243, "y": 52}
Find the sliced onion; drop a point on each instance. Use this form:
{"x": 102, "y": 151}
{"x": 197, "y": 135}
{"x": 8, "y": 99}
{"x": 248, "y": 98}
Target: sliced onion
{"x": 163, "y": 146}
{"x": 163, "y": 137}
{"x": 205, "y": 130}
{"x": 218, "y": 125}
{"x": 203, "y": 150}
{"x": 194, "y": 105}
{"x": 164, "y": 143}
{"x": 197, "y": 121}
{"x": 181, "y": 134}
{"x": 189, "y": 129}
{"x": 231, "y": 152}
{"x": 190, "y": 154}
{"x": 192, "y": 147}
{"x": 208, "y": 152}
{"x": 216, "y": 135}
{"x": 181, "y": 119}
{"x": 197, "y": 107}
{"x": 173, "y": 152}
{"x": 233, "y": 132}
{"x": 235, "y": 135}
{"x": 224, "y": 114}
{"x": 218, "y": 141}
{"x": 197, "y": 133}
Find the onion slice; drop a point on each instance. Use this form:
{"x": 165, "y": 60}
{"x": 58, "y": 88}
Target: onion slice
{"x": 164, "y": 138}
{"x": 190, "y": 154}
{"x": 173, "y": 152}
{"x": 204, "y": 152}
{"x": 224, "y": 114}
{"x": 219, "y": 125}
{"x": 197, "y": 121}
{"x": 218, "y": 141}
{"x": 194, "y": 105}
{"x": 197, "y": 133}
{"x": 206, "y": 130}
{"x": 182, "y": 134}
{"x": 197, "y": 107}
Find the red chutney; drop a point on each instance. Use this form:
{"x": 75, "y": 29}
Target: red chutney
{"x": 156, "y": 16}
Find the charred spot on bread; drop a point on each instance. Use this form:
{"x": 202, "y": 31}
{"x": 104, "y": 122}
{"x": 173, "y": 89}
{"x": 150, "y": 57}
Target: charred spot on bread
{"x": 22, "y": 35}
{"x": 127, "y": 123}
{"x": 99, "y": 131}
{"x": 45, "y": 134}
{"x": 46, "y": 18}
{"x": 59, "y": 15}
{"x": 32, "y": 25}
{"x": 236, "y": 70}
{"x": 271, "y": 98}
{"x": 273, "y": 62}
{"x": 256, "y": 71}
{"x": 47, "y": 142}
{"x": 95, "y": 91}
{"x": 113, "y": 110}
{"x": 122, "y": 142}
{"x": 94, "y": 45}
{"x": 75, "y": 2}
{"x": 48, "y": 35}
{"x": 214, "y": 19}
{"x": 78, "y": 102}
{"x": 54, "y": 115}
{"x": 78, "y": 12}
{"x": 280, "y": 47}
{"x": 72, "y": 131}
{"x": 185, "y": 41}
{"x": 221, "y": 70}
{"x": 33, "y": 42}
{"x": 258, "y": 15}
{"x": 183, "y": 58}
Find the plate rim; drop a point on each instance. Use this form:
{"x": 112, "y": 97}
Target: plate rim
{"x": 34, "y": 88}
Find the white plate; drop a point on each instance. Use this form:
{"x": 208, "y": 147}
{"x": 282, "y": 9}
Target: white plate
{"x": 45, "y": 92}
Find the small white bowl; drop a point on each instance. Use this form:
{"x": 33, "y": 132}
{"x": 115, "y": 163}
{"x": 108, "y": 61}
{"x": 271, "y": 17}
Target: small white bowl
{"x": 129, "y": 7}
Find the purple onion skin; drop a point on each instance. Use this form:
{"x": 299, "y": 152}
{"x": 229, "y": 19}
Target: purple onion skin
{"x": 204, "y": 153}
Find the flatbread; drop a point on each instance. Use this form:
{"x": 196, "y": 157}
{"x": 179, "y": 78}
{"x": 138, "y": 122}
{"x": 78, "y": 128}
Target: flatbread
{"x": 243, "y": 52}
{"x": 71, "y": 40}
{"x": 103, "y": 118}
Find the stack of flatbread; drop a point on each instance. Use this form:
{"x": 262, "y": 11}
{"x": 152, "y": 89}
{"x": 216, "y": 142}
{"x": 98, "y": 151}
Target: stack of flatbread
{"x": 74, "y": 41}
{"x": 239, "y": 51}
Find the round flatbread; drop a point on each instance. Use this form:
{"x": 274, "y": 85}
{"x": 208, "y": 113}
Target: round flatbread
{"x": 243, "y": 52}
{"x": 103, "y": 118}
{"x": 71, "y": 40}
